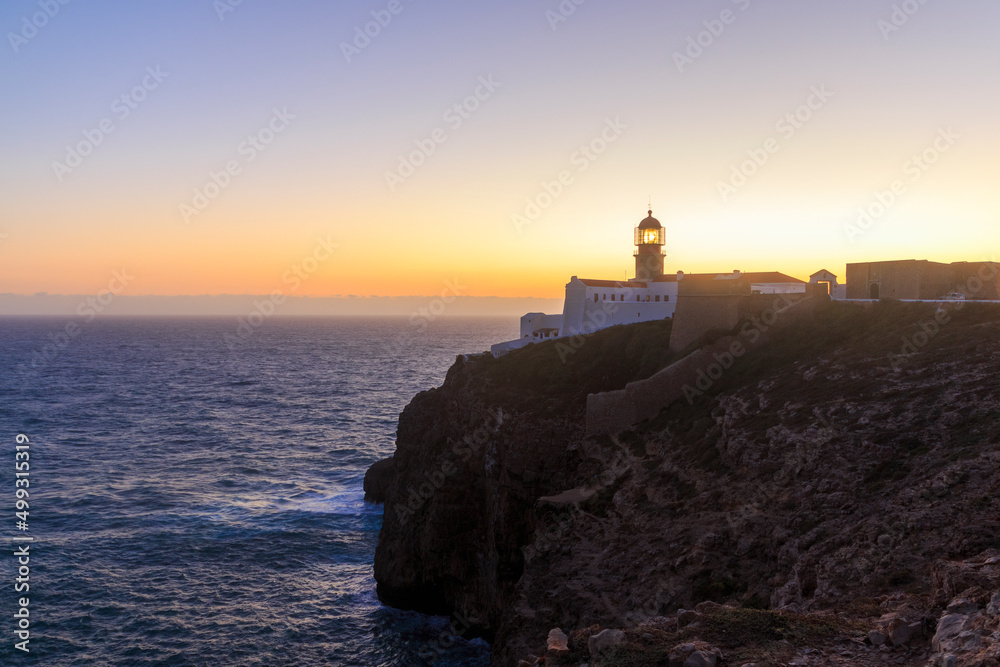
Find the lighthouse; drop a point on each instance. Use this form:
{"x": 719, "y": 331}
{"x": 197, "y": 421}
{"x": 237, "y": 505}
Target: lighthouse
{"x": 649, "y": 242}
{"x": 591, "y": 305}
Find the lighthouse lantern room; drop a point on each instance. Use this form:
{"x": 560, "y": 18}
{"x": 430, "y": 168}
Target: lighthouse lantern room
{"x": 649, "y": 242}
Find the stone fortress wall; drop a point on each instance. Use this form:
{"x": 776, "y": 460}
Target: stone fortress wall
{"x": 699, "y": 314}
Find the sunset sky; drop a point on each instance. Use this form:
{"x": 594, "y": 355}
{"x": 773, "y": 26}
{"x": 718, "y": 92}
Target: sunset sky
{"x": 331, "y": 115}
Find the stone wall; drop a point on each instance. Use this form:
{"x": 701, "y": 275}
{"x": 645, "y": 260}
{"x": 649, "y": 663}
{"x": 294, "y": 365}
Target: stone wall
{"x": 921, "y": 279}
{"x": 615, "y": 411}
{"x": 698, "y": 315}
{"x": 701, "y": 314}
{"x": 976, "y": 280}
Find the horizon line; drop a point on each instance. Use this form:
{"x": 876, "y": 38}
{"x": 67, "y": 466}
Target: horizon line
{"x": 263, "y": 294}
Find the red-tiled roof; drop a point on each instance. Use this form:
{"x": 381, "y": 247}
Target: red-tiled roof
{"x": 609, "y": 283}
{"x": 771, "y": 277}
{"x": 600, "y": 283}
{"x": 753, "y": 277}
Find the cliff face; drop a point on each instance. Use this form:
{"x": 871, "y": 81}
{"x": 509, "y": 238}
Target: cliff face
{"x": 474, "y": 455}
{"x": 466, "y": 473}
{"x": 839, "y": 461}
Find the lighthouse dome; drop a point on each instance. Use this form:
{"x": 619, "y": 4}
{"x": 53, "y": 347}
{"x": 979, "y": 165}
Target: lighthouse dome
{"x": 650, "y": 223}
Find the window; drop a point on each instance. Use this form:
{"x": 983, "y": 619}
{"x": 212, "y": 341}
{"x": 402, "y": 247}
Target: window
{"x": 657, "y": 298}
{"x": 647, "y": 298}
{"x": 595, "y": 298}
{"x": 666, "y": 297}
{"x": 636, "y": 297}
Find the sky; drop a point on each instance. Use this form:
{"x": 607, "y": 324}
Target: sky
{"x": 395, "y": 147}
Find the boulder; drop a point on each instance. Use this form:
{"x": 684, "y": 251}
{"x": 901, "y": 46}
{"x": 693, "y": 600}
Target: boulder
{"x": 897, "y": 628}
{"x": 701, "y": 659}
{"x": 903, "y": 632}
{"x": 558, "y": 643}
{"x": 695, "y": 654}
{"x": 962, "y": 605}
{"x": 993, "y": 608}
{"x": 967, "y": 640}
{"x": 604, "y": 640}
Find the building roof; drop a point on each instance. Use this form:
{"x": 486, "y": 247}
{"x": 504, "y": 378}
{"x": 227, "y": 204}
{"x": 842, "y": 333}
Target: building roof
{"x": 771, "y": 277}
{"x": 650, "y": 222}
{"x": 600, "y": 283}
{"x": 752, "y": 277}
{"x": 609, "y": 283}
{"x": 898, "y": 261}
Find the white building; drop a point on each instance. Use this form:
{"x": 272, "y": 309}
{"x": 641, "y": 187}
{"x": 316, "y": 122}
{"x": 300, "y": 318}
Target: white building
{"x": 591, "y": 305}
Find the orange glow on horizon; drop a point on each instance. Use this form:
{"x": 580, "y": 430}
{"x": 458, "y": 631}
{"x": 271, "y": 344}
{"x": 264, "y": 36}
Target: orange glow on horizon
{"x": 896, "y": 159}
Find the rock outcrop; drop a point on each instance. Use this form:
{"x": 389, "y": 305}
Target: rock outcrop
{"x": 604, "y": 641}
{"x": 848, "y": 466}
{"x": 968, "y": 632}
{"x": 379, "y": 478}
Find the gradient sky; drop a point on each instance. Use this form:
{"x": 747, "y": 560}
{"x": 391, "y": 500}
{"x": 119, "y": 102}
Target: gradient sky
{"x": 324, "y": 175}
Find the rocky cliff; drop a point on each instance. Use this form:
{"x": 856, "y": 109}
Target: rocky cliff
{"x": 817, "y": 482}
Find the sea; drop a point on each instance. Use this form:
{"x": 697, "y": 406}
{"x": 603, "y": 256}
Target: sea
{"x": 195, "y": 496}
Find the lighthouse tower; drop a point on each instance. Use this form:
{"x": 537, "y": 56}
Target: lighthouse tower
{"x": 649, "y": 242}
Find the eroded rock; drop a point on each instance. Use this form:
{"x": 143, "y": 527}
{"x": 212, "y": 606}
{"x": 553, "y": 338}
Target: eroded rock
{"x": 604, "y": 640}
{"x": 558, "y": 643}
